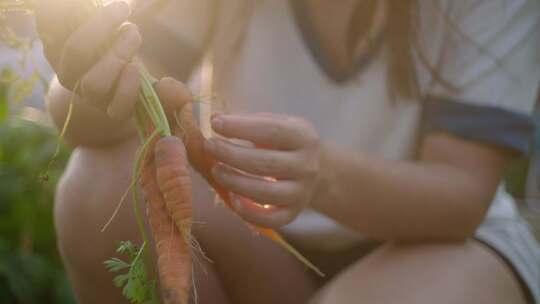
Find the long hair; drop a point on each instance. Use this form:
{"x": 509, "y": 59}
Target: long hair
{"x": 401, "y": 36}
{"x": 404, "y": 42}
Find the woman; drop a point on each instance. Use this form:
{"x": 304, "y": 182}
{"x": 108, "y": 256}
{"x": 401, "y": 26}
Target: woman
{"x": 381, "y": 120}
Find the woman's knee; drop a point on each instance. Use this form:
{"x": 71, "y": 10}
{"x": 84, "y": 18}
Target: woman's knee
{"x": 428, "y": 273}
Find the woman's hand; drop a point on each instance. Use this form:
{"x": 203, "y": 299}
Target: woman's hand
{"x": 280, "y": 172}
{"x": 97, "y": 55}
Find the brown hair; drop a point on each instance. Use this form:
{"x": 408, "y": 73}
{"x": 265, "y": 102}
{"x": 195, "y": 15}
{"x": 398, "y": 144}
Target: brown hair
{"x": 400, "y": 30}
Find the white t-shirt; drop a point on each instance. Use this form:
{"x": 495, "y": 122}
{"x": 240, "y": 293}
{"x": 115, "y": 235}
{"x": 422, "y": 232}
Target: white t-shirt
{"x": 489, "y": 54}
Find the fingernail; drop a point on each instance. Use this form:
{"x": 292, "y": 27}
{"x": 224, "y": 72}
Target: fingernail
{"x": 129, "y": 41}
{"x": 236, "y": 202}
{"x": 119, "y": 10}
{"x": 111, "y": 113}
{"x": 217, "y": 123}
{"x": 209, "y": 145}
{"x": 215, "y": 171}
{"x": 221, "y": 170}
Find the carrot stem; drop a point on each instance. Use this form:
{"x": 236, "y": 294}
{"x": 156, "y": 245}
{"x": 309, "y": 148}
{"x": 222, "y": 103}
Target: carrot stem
{"x": 160, "y": 119}
{"x": 150, "y": 111}
{"x": 141, "y": 155}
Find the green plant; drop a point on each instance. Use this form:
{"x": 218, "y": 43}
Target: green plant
{"x": 19, "y": 87}
{"x": 30, "y": 267}
{"x": 132, "y": 277}
{"x": 150, "y": 114}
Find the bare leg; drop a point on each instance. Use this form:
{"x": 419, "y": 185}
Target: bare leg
{"x": 430, "y": 273}
{"x": 207, "y": 288}
{"x": 87, "y": 195}
{"x": 252, "y": 269}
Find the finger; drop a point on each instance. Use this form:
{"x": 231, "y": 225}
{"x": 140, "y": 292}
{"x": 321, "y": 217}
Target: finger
{"x": 52, "y": 33}
{"x": 102, "y": 77}
{"x": 84, "y": 44}
{"x": 176, "y": 100}
{"x": 126, "y": 94}
{"x": 173, "y": 94}
{"x": 263, "y": 162}
{"x": 262, "y": 215}
{"x": 54, "y": 19}
{"x": 274, "y": 130}
{"x": 264, "y": 191}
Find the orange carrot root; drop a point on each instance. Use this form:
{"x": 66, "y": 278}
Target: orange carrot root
{"x": 174, "y": 261}
{"x": 203, "y": 162}
{"x": 175, "y": 182}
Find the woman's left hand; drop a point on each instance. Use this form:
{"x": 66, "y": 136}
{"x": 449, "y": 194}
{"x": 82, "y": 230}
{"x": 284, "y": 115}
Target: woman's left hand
{"x": 280, "y": 172}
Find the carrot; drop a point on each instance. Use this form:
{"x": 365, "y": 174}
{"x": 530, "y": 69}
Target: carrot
{"x": 175, "y": 182}
{"x": 178, "y": 107}
{"x": 167, "y": 189}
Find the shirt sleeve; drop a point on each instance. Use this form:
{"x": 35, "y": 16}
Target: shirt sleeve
{"x": 478, "y": 66}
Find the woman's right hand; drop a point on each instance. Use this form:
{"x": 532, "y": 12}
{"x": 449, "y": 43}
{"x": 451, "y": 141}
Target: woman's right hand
{"x": 95, "y": 59}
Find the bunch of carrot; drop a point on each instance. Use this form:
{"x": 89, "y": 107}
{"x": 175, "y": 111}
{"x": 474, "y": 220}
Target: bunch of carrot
{"x": 166, "y": 184}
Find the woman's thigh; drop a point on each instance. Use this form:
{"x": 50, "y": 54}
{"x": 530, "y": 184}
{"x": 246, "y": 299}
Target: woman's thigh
{"x": 250, "y": 268}
{"x": 428, "y": 273}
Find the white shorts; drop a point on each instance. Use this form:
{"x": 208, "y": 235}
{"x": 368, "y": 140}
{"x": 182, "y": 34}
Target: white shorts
{"x": 514, "y": 241}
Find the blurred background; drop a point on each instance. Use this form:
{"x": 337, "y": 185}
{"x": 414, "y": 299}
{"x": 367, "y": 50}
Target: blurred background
{"x": 30, "y": 266}
{"x": 31, "y": 270}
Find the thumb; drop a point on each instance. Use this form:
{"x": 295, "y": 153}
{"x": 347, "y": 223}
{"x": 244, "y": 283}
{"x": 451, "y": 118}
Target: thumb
{"x": 173, "y": 94}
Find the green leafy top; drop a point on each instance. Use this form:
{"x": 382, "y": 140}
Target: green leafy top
{"x": 133, "y": 276}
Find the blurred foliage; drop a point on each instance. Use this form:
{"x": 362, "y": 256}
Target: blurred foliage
{"x": 516, "y": 177}
{"x": 518, "y": 171}
{"x": 31, "y": 270}
{"x": 20, "y": 87}
{"x": 10, "y": 39}
{"x": 30, "y": 267}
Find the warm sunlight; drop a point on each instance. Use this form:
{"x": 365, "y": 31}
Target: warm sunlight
{"x": 356, "y": 150}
